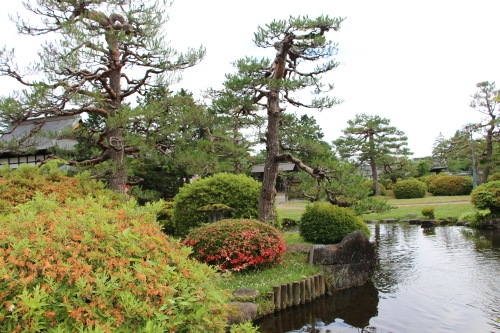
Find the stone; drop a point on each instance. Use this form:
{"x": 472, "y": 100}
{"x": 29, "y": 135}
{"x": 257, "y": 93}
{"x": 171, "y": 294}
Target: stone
{"x": 354, "y": 248}
{"x": 372, "y": 221}
{"x": 411, "y": 215}
{"x": 415, "y": 221}
{"x": 241, "y": 312}
{"x": 492, "y": 223}
{"x": 389, "y": 220}
{"x": 428, "y": 224}
{"x": 245, "y": 293}
{"x": 301, "y": 248}
{"x": 346, "y": 276}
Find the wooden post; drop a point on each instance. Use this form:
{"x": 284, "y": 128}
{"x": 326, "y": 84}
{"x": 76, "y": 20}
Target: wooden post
{"x": 308, "y": 290}
{"x": 322, "y": 286}
{"x": 290, "y": 293}
{"x": 284, "y": 296}
{"x": 313, "y": 287}
{"x": 277, "y": 297}
{"x": 302, "y": 291}
{"x": 316, "y": 285}
{"x": 296, "y": 293}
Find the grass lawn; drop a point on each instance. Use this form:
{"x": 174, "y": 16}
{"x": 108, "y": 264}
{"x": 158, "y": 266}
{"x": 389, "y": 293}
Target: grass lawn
{"x": 449, "y": 206}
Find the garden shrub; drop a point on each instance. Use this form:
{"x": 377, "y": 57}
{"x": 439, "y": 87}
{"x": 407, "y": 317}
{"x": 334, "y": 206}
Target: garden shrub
{"x": 20, "y": 185}
{"x": 83, "y": 267}
{"x": 494, "y": 177}
{"x": 409, "y": 189}
{"x": 165, "y": 217}
{"x": 236, "y": 244}
{"x": 324, "y": 223}
{"x": 487, "y": 196}
{"x": 237, "y": 191}
{"x": 369, "y": 184}
{"x": 428, "y": 212}
{"x": 450, "y": 185}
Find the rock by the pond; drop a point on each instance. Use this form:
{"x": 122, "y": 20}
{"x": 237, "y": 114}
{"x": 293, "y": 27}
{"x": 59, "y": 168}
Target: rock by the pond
{"x": 245, "y": 293}
{"x": 241, "y": 312}
{"x": 428, "y": 224}
{"x": 350, "y": 263}
{"x": 389, "y": 220}
{"x": 301, "y": 248}
{"x": 415, "y": 221}
{"x": 372, "y": 221}
{"x": 492, "y": 223}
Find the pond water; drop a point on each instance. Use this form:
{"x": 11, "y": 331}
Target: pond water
{"x": 443, "y": 279}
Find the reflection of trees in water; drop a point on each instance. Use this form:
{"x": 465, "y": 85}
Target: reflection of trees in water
{"x": 355, "y": 306}
{"x": 396, "y": 248}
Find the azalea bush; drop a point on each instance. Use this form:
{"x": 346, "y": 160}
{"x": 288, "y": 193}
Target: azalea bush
{"x": 236, "y": 244}
{"x": 81, "y": 266}
{"x": 20, "y": 185}
{"x": 237, "y": 191}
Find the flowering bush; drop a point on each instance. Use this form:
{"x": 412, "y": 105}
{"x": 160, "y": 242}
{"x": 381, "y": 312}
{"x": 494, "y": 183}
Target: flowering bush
{"x": 236, "y": 244}
{"x": 83, "y": 267}
{"x": 20, "y": 185}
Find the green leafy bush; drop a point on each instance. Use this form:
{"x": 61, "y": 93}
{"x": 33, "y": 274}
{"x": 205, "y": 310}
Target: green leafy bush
{"x": 428, "y": 212}
{"x": 409, "y": 189}
{"x": 236, "y": 244}
{"x": 494, "y": 177}
{"x": 450, "y": 185}
{"x": 82, "y": 267}
{"x": 239, "y": 192}
{"x": 369, "y": 184}
{"x": 324, "y": 223}
{"x": 487, "y": 196}
{"x": 165, "y": 217}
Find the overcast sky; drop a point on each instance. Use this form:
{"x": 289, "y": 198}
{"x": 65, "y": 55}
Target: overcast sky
{"x": 414, "y": 62}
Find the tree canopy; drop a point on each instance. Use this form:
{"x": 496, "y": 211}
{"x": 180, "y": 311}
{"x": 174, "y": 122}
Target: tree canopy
{"x": 368, "y": 138}
{"x": 104, "y": 52}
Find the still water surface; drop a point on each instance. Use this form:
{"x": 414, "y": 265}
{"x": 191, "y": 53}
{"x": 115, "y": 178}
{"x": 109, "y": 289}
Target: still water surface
{"x": 443, "y": 279}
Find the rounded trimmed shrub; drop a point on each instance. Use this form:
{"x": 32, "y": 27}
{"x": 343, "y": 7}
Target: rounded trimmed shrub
{"x": 324, "y": 223}
{"x": 494, "y": 177}
{"x": 236, "y": 244}
{"x": 82, "y": 267}
{"x": 428, "y": 212}
{"x": 238, "y": 191}
{"x": 450, "y": 185}
{"x": 487, "y": 196}
{"x": 409, "y": 189}
{"x": 369, "y": 184}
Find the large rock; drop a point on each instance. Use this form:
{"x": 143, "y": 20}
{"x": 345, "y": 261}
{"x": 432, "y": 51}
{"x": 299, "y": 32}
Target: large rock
{"x": 492, "y": 223}
{"x": 354, "y": 248}
{"x": 350, "y": 263}
{"x": 241, "y": 312}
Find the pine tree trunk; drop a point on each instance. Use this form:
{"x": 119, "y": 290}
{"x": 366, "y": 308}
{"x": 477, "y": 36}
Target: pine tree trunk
{"x": 115, "y": 151}
{"x": 373, "y": 166}
{"x": 268, "y": 192}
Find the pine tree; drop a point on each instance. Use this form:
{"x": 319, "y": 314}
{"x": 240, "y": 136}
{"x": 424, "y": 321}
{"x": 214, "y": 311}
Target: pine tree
{"x": 105, "y": 51}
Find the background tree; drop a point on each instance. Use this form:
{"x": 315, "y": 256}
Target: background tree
{"x": 485, "y": 101}
{"x": 269, "y": 84}
{"x": 368, "y": 138}
{"x": 82, "y": 71}
{"x": 396, "y": 167}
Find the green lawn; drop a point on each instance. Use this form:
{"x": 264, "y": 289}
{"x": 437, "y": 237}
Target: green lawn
{"x": 449, "y": 206}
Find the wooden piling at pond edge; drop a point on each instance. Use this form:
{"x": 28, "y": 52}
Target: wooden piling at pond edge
{"x": 295, "y": 293}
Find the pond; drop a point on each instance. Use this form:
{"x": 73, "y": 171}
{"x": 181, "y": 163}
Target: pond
{"x": 443, "y": 279}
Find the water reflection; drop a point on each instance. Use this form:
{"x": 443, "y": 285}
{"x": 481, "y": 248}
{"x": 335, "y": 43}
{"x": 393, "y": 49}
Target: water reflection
{"x": 355, "y": 306}
{"x": 442, "y": 279}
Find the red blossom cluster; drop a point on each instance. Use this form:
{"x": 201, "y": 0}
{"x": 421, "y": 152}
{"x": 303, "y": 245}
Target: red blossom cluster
{"x": 237, "y": 244}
